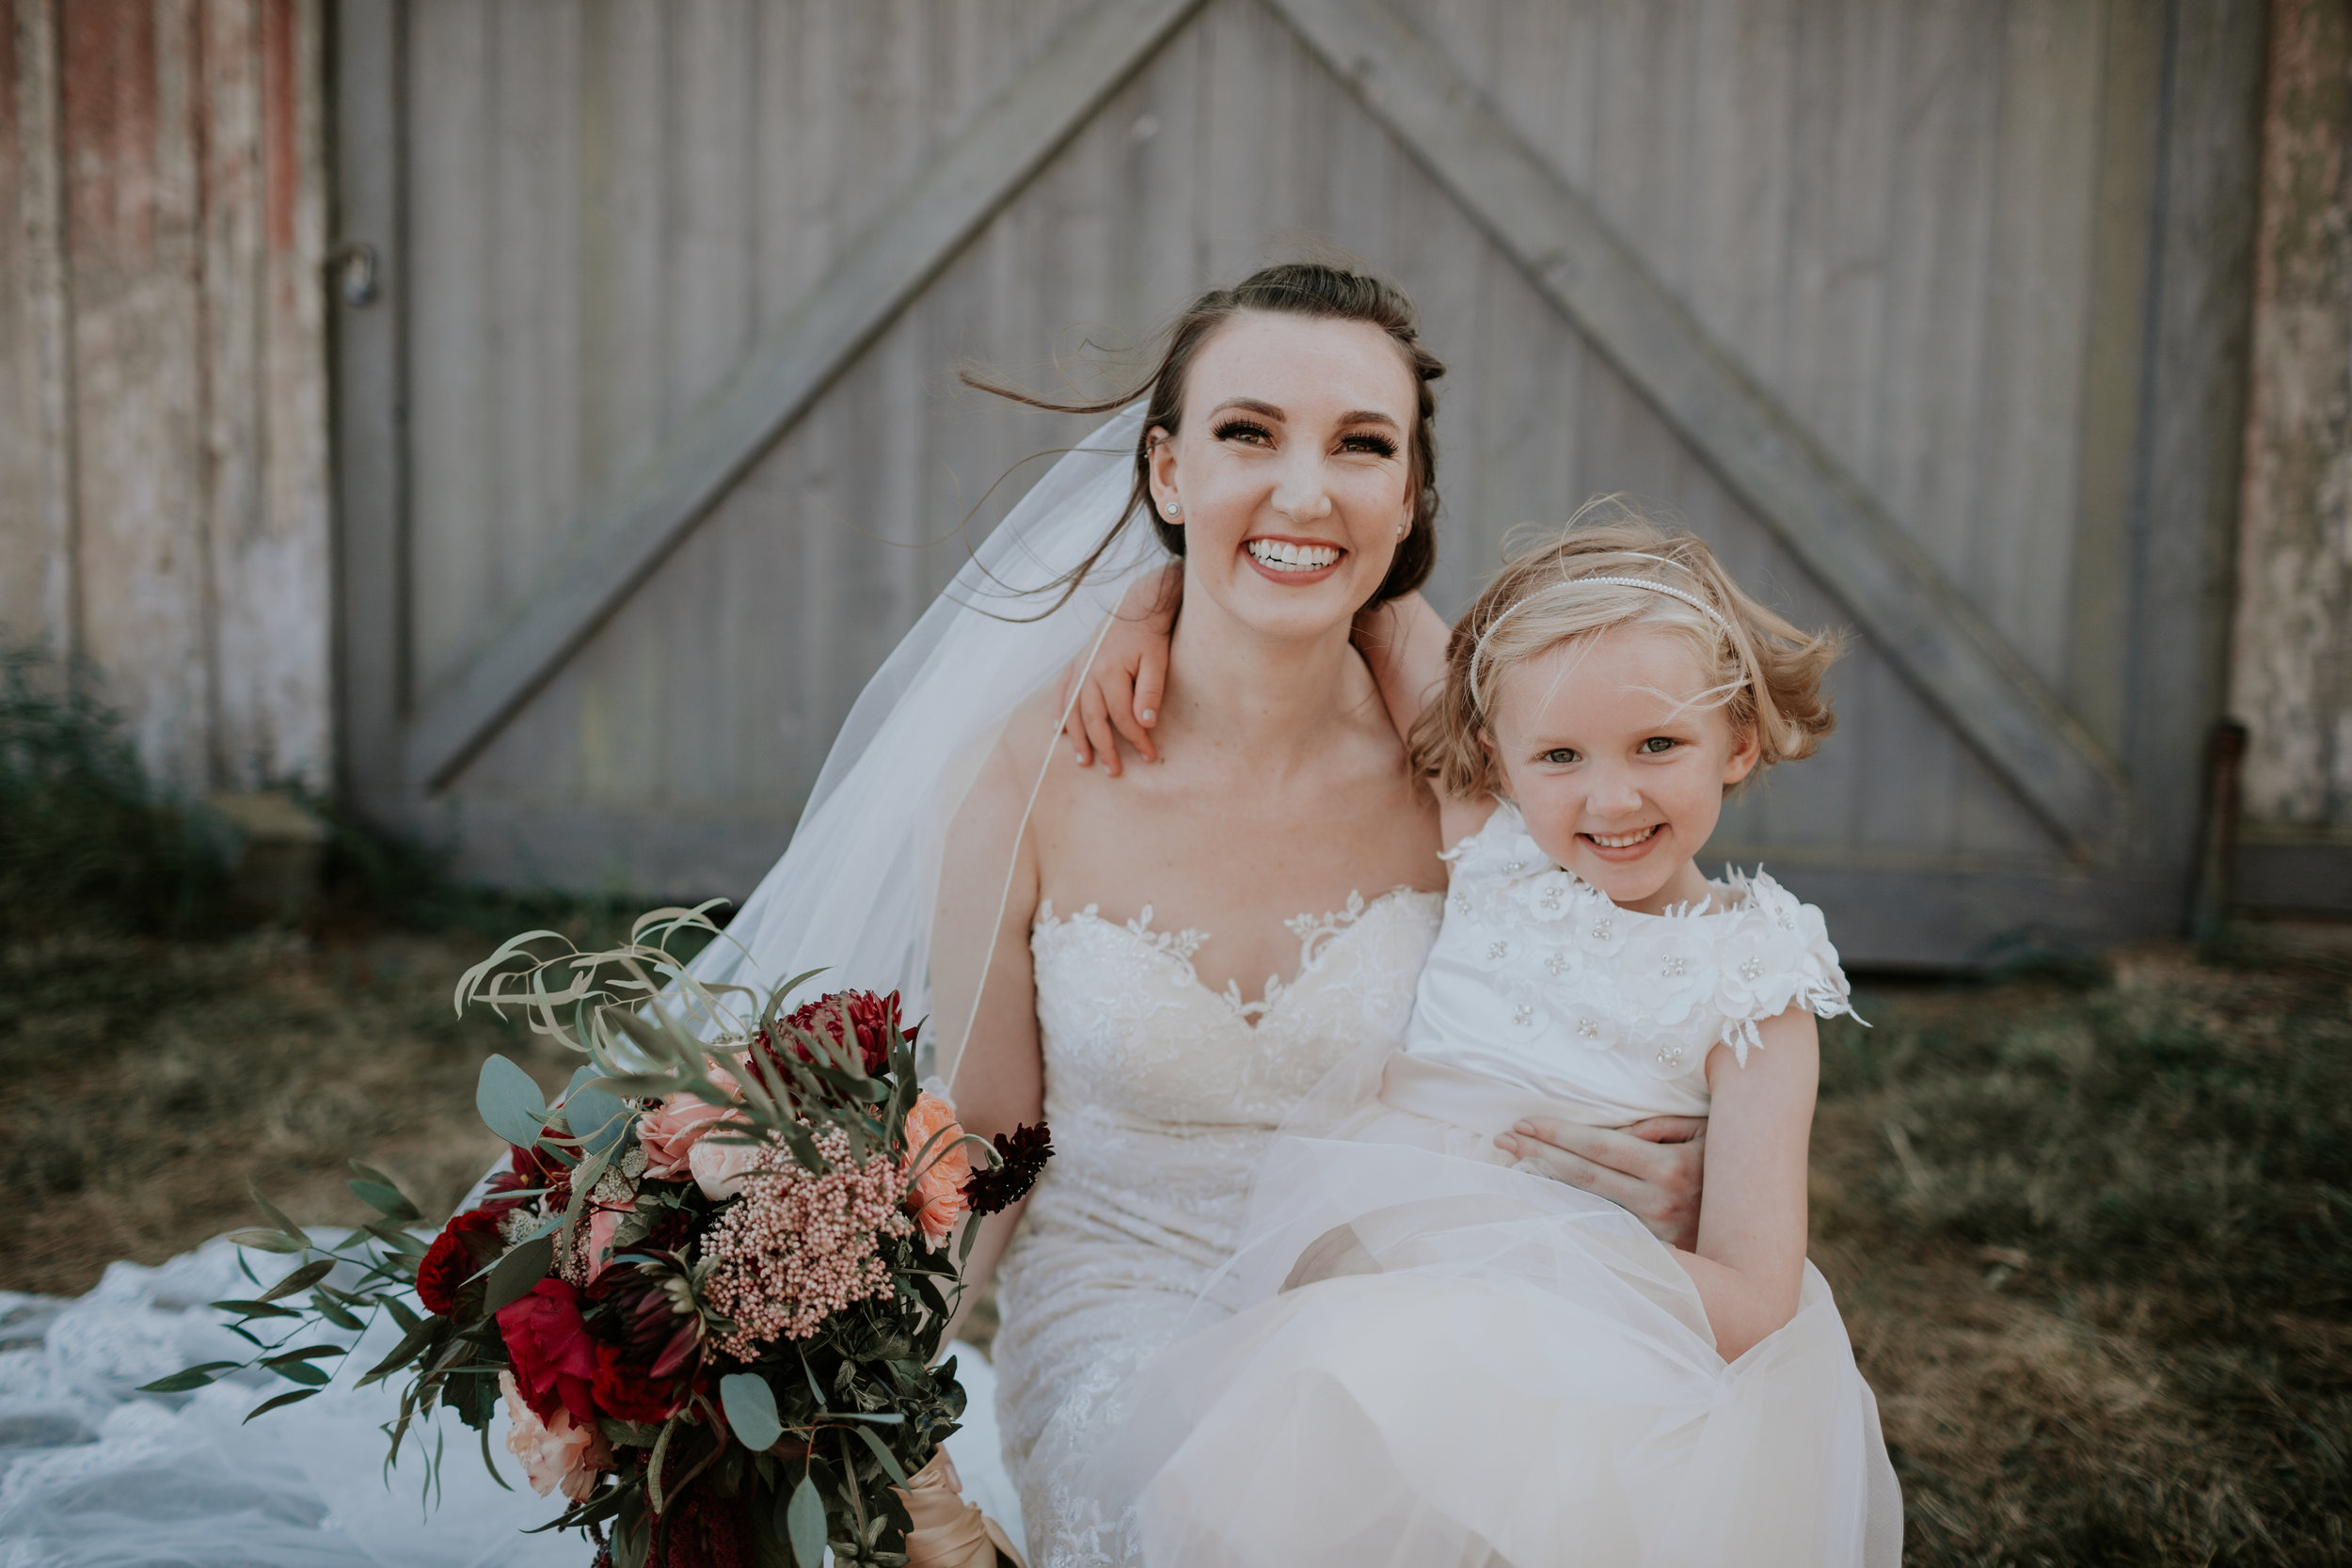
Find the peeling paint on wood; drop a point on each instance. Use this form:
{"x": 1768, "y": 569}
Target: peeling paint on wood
{"x": 2292, "y": 675}
{"x": 163, "y": 465}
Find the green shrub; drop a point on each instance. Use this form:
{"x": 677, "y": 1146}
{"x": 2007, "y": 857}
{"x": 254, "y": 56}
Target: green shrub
{"x": 84, "y": 840}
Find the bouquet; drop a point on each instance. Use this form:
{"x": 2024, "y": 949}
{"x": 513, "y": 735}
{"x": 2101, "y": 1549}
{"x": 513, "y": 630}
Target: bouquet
{"x": 707, "y": 1286}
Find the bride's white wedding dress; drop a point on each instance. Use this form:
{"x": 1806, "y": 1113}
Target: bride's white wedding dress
{"x": 1162, "y": 1095}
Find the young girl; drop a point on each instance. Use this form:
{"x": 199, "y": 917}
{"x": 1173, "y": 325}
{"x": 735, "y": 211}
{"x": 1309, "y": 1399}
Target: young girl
{"x": 1439, "y": 1358}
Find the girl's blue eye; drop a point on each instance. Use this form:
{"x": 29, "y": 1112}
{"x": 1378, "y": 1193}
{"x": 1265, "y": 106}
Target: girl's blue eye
{"x": 1559, "y": 756}
{"x": 1658, "y": 743}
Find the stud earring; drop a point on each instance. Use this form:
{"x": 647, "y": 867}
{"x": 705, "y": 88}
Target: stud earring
{"x": 1174, "y": 509}
{"x": 1404, "y": 527}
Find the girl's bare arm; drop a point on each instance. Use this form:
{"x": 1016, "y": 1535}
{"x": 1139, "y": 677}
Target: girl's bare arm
{"x": 1749, "y": 1263}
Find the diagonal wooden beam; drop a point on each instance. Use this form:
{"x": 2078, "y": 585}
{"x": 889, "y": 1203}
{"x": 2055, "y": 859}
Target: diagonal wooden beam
{"x": 627, "y": 533}
{"x": 1935, "y": 636}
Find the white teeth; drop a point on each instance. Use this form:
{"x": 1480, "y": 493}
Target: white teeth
{"x": 1285, "y": 557}
{"x": 1621, "y": 841}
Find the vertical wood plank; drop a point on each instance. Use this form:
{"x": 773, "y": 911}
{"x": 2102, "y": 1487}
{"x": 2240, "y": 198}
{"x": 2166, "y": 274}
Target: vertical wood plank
{"x": 53, "y": 552}
{"x": 2291, "y": 671}
{"x": 2123, "y": 273}
{"x": 2194, "y": 429}
{"x": 453, "y": 551}
{"x": 128, "y": 134}
{"x": 290, "y": 680}
{"x": 237, "y": 609}
{"x": 370, "y": 471}
{"x": 23, "y": 539}
{"x": 2038, "y": 329}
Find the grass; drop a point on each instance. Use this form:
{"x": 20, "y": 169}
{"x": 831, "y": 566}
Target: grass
{"x": 2091, "y": 1237}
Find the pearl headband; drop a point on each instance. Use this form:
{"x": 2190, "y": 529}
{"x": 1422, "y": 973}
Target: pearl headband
{"x": 1479, "y": 657}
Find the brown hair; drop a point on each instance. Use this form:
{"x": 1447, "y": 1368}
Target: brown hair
{"x": 1310, "y": 289}
{"x": 1763, "y": 673}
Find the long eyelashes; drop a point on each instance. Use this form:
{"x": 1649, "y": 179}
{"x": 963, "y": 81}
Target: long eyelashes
{"x": 1258, "y": 435}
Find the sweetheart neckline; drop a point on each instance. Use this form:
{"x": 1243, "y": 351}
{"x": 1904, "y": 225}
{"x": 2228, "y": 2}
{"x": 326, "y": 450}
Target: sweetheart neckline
{"x": 1317, "y": 935}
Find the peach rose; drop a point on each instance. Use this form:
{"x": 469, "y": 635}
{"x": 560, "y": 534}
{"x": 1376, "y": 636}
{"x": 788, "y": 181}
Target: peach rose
{"x": 602, "y": 1225}
{"x": 720, "y": 1167}
{"x": 671, "y": 1131}
{"x": 560, "y": 1452}
{"x": 937, "y": 1199}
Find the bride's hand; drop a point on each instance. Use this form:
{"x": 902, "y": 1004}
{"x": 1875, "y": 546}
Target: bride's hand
{"x": 1119, "y": 693}
{"x": 1651, "y": 1170}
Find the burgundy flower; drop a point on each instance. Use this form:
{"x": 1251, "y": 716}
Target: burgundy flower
{"x": 702, "y": 1530}
{"x": 628, "y": 1393}
{"x": 527, "y": 1171}
{"x": 870, "y": 1016}
{"x": 554, "y": 1360}
{"x": 1022, "y": 1155}
{"x": 466, "y": 1245}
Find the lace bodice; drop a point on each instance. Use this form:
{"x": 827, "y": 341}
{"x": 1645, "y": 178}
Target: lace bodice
{"x": 1539, "y": 979}
{"x": 1162, "y": 1095}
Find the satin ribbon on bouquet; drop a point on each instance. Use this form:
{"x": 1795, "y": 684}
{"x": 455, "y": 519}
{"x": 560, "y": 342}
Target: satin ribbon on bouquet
{"x": 947, "y": 1531}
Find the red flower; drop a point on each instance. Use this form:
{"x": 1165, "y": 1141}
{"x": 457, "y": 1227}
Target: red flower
{"x": 630, "y": 1393}
{"x": 527, "y": 1170}
{"x": 554, "y": 1360}
{"x": 872, "y": 1017}
{"x": 464, "y": 1245}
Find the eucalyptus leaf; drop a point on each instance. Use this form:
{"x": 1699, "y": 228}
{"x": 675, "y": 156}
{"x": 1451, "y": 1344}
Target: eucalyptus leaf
{"x": 192, "y": 1377}
{"x": 301, "y": 1279}
{"x": 751, "y": 1407}
{"x": 598, "y": 1119}
{"x": 510, "y": 1103}
{"x": 264, "y": 1240}
{"x": 519, "y": 1272}
{"x": 397, "y": 1238}
{"x": 804, "y": 1524}
{"x": 334, "y": 1312}
{"x": 292, "y": 1396}
{"x": 277, "y": 1217}
{"x": 385, "y": 1198}
{"x": 882, "y": 1451}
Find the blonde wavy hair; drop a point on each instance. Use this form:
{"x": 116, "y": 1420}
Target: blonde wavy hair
{"x": 1762, "y": 673}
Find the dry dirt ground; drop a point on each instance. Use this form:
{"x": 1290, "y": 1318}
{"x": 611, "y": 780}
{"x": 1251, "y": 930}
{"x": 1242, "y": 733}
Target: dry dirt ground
{"x": 2092, "y": 1233}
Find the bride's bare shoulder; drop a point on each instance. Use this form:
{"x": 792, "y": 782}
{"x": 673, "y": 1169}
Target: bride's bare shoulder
{"x": 1007, "y": 762}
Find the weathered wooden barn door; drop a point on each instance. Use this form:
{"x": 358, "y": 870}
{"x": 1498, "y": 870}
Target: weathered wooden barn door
{"x": 1929, "y": 314}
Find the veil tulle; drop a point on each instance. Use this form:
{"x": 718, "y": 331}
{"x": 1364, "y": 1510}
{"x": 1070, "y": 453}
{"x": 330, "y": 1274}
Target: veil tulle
{"x": 855, "y": 894}
{"x": 102, "y": 1474}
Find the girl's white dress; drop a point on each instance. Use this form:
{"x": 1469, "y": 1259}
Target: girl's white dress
{"x": 1423, "y": 1356}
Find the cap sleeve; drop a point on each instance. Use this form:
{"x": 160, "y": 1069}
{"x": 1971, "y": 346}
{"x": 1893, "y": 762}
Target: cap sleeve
{"x": 1774, "y": 955}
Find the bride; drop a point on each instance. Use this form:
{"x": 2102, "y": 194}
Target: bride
{"x": 1163, "y": 968}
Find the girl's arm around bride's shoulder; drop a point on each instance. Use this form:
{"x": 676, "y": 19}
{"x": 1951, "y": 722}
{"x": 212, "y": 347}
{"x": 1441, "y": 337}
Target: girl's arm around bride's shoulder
{"x": 1119, "y": 690}
{"x": 1750, "y": 1263}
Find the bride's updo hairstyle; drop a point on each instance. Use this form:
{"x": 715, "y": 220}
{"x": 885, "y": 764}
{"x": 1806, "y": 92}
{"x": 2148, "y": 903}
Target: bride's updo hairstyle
{"x": 1613, "y": 567}
{"x": 1311, "y": 289}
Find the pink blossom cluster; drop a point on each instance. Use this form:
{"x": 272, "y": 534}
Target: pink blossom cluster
{"x": 800, "y": 1248}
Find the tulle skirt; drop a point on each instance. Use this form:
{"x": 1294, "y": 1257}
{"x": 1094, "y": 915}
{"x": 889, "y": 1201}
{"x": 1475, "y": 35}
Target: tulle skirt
{"x": 1442, "y": 1360}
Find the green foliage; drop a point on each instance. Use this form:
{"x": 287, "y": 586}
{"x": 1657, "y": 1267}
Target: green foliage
{"x": 84, "y": 840}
